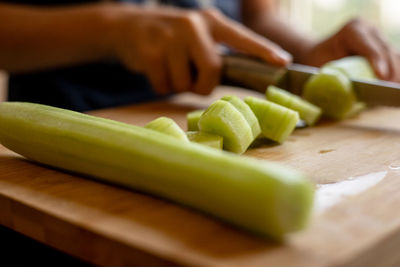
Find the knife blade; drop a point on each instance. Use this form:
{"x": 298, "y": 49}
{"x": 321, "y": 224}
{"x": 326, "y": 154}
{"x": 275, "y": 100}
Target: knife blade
{"x": 257, "y": 75}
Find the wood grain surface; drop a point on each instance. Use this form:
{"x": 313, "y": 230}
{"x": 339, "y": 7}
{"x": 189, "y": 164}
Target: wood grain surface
{"x": 111, "y": 226}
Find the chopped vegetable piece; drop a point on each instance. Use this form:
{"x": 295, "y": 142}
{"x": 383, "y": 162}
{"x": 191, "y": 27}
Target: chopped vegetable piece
{"x": 206, "y": 139}
{"x": 332, "y": 91}
{"x": 223, "y": 119}
{"x": 167, "y": 126}
{"x": 193, "y": 119}
{"x": 277, "y": 122}
{"x": 263, "y": 197}
{"x": 246, "y": 112}
{"x": 307, "y": 111}
{"x": 354, "y": 67}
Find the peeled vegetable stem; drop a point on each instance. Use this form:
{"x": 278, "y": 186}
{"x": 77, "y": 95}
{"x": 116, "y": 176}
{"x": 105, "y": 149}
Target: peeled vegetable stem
{"x": 263, "y": 197}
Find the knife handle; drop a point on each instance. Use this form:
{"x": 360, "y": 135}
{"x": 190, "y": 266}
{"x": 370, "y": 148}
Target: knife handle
{"x": 250, "y": 72}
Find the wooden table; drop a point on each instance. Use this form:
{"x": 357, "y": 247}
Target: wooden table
{"x": 109, "y": 225}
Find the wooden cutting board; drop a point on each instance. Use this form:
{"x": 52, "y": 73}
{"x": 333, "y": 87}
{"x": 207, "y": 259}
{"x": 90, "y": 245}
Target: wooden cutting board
{"x": 356, "y": 220}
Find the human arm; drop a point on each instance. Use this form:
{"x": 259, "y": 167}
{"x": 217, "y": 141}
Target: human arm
{"x": 159, "y": 42}
{"x": 356, "y": 37}
{"x": 39, "y": 38}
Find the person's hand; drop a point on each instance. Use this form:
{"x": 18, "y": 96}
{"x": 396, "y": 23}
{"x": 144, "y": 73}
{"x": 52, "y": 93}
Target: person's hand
{"x": 357, "y": 38}
{"x": 165, "y": 43}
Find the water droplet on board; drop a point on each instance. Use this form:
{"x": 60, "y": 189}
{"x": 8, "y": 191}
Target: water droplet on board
{"x": 301, "y": 124}
{"x": 395, "y": 166}
{"x": 328, "y": 195}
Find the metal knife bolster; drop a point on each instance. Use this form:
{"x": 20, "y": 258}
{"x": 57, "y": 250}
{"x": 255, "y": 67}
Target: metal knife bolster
{"x": 250, "y": 73}
{"x": 256, "y": 75}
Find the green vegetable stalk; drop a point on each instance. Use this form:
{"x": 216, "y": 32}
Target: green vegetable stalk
{"x": 262, "y": 197}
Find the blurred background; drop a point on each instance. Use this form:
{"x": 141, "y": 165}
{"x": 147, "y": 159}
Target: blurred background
{"x": 321, "y": 18}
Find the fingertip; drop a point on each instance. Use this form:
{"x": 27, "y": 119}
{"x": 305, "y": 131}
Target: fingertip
{"x": 208, "y": 76}
{"x": 278, "y": 57}
{"x": 202, "y": 90}
{"x": 284, "y": 57}
{"x": 204, "y": 86}
{"x": 381, "y": 69}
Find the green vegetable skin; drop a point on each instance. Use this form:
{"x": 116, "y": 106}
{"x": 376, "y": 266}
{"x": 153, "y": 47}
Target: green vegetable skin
{"x": 193, "y": 119}
{"x": 307, "y": 111}
{"x": 277, "y": 122}
{"x": 206, "y": 139}
{"x": 263, "y": 197}
{"x": 167, "y": 126}
{"x": 223, "y": 119}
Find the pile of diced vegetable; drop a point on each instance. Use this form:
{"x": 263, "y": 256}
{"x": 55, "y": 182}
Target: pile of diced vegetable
{"x": 233, "y": 124}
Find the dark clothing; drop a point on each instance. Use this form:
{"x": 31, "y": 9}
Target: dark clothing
{"x": 82, "y": 88}
{"x": 91, "y": 86}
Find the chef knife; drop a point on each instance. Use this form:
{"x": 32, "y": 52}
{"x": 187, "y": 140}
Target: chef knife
{"x": 257, "y": 75}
